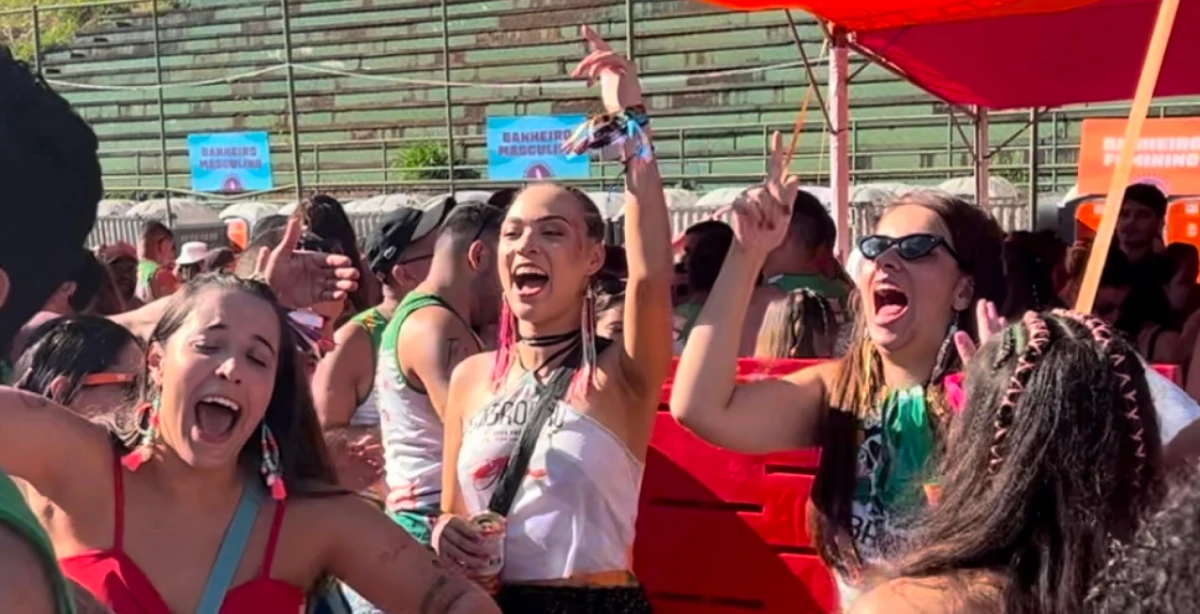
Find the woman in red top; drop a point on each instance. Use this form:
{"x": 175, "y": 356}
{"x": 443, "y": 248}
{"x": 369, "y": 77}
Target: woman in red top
{"x": 140, "y": 523}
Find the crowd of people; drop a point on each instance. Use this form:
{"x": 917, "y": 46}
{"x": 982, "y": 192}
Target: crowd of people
{"x": 453, "y": 414}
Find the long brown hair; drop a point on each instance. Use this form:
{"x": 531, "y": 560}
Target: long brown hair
{"x": 800, "y": 324}
{"x": 1054, "y": 457}
{"x": 859, "y": 387}
{"x": 290, "y": 415}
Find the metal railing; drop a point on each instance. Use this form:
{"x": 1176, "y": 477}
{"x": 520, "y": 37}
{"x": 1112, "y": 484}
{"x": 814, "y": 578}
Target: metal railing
{"x": 1011, "y": 215}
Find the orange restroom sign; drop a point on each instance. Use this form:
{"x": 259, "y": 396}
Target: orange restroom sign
{"x": 1167, "y": 155}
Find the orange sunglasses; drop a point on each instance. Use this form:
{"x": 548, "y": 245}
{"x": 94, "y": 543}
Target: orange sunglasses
{"x": 106, "y": 379}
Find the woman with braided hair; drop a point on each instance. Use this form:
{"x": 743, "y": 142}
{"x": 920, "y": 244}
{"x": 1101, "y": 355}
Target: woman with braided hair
{"x": 800, "y": 324}
{"x": 879, "y": 413}
{"x": 1054, "y": 455}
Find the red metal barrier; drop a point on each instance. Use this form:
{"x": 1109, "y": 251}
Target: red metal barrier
{"x": 724, "y": 533}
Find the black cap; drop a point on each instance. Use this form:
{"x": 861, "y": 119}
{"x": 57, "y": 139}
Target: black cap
{"x": 402, "y": 228}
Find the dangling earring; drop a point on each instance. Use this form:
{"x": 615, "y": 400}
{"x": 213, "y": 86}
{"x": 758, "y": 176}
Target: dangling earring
{"x": 272, "y": 472}
{"x": 147, "y": 429}
{"x": 940, "y": 365}
{"x": 504, "y": 347}
{"x": 587, "y": 371}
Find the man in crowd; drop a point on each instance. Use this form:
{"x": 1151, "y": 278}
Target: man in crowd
{"x": 433, "y": 329}
{"x": 399, "y": 254}
{"x": 1140, "y": 225}
{"x": 156, "y": 262}
{"x": 805, "y": 259}
{"x": 76, "y": 295}
{"x": 73, "y": 296}
{"x": 49, "y": 166}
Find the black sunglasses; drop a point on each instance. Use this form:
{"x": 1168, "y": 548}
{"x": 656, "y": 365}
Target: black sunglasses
{"x": 910, "y": 247}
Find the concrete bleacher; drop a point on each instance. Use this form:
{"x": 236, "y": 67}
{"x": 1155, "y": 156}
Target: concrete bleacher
{"x": 710, "y": 131}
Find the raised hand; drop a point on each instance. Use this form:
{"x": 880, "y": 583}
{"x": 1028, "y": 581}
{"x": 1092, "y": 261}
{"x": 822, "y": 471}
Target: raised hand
{"x": 618, "y": 77}
{"x": 302, "y": 278}
{"x": 761, "y": 214}
{"x": 987, "y": 323}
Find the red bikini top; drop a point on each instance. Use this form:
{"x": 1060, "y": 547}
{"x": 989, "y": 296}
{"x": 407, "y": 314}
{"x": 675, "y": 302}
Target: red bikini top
{"x": 119, "y": 584}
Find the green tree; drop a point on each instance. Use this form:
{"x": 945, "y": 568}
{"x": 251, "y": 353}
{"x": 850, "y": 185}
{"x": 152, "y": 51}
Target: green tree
{"x": 428, "y": 161}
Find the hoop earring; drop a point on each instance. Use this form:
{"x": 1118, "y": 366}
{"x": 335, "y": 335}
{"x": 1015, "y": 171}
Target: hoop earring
{"x": 147, "y": 429}
{"x": 272, "y": 470}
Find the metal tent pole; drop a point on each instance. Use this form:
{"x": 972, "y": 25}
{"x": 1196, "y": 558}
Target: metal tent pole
{"x": 297, "y": 174}
{"x": 449, "y": 103}
{"x": 162, "y": 120}
{"x": 1034, "y": 166}
{"x": 839, "y": 145}
{"x": 982, "y": 157}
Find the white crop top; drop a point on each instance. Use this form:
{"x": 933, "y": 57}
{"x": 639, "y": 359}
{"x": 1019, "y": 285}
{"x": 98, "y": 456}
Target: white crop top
{"x": 575, "y": 512}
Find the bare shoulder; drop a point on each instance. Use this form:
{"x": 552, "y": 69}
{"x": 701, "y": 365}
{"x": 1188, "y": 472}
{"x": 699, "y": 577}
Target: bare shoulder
{"x": 24, "y": 584}
{"x": 350, "y": 335}
{"x": 420, "y": 322}
{"x": 764, "y": 294}
{"x": 325, "y": 519}
{"x": 903, "y": 596}
{"x": 468, "y": 388}
{"x": 320, "y": 510}
{"x": 474, "y": 368}
{"x": 935, "y": 595}
{"x": 824, "y": 373}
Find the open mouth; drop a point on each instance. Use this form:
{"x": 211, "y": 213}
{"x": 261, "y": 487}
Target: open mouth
{"x": 216, "y": 417}
{"x": 890, "y": 304}
{"x": 529, "y": 280}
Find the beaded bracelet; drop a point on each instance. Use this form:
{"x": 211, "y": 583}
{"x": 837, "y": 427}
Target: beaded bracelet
{"x": 602, "y": 131}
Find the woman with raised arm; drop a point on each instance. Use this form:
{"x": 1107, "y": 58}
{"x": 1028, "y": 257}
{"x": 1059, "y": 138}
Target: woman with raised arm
{"x": 878, "y": 414}
{"x": 547, "y": 436}
{"x": 222, "y": 499}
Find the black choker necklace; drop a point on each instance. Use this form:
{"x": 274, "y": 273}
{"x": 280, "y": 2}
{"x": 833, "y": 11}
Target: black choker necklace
{"x": 541, "y": 341}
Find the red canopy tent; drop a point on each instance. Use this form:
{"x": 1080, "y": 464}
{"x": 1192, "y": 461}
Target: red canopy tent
{"x": 996, "y": 53}
{"x": 863, "y": 15}
{"x": 1090, "y": 54}
{"x": 1001, "y": 54}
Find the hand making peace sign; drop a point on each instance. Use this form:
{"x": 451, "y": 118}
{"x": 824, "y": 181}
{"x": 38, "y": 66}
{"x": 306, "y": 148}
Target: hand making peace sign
{"x": 762, "y": 213}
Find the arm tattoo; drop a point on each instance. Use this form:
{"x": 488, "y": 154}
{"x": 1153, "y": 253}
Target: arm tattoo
{"x": 454, "y": 353}
{"x": 442, "y": 596}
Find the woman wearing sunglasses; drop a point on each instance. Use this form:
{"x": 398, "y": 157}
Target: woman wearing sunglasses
{"x": 879, "y": 413}
{"x": 86, "y": 363}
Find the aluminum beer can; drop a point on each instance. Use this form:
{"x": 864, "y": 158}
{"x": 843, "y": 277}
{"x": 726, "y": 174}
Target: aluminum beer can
{"x": 492, "y": 528}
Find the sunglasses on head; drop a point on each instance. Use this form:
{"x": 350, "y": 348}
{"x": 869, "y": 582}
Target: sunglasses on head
{"x": 909, "y": 247}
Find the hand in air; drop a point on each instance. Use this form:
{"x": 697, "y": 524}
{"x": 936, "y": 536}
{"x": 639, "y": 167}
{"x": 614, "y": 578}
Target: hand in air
{"x": 761, "y": 214}
{"x": 619, "y": 86}
{"x": 359, "y": 463}
{"x": 302, "y": 278}
{"x": 987, "y": 323}
{"x": 459, "y": 542}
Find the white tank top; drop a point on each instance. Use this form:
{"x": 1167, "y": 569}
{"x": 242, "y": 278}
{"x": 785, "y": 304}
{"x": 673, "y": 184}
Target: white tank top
{"x": 576, "y": 509}
{"x": 367, "y": 414}
{"x": 409, "y": 425}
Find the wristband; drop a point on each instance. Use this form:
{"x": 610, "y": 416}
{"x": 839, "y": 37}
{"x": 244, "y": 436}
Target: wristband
{"x": 602, "y": 131}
